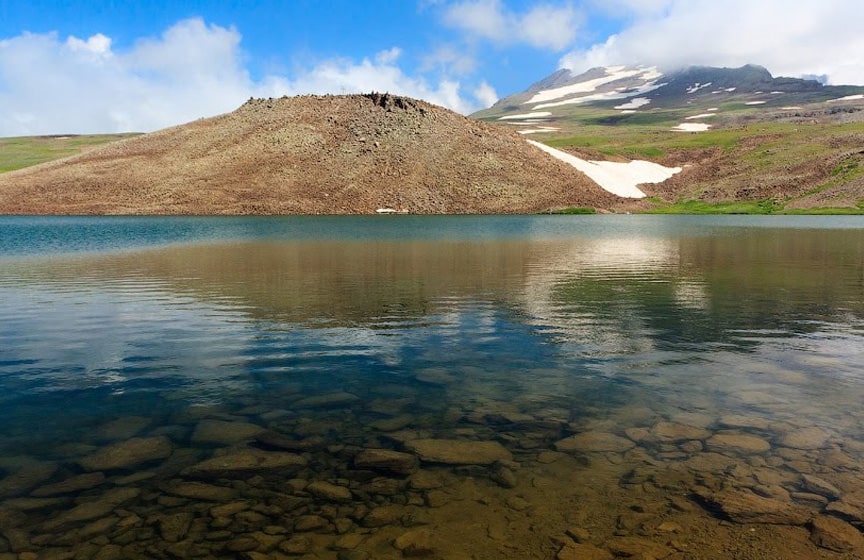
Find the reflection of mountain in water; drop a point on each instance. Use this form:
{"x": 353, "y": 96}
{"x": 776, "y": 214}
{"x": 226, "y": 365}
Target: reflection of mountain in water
{"x": 613, "y": 292}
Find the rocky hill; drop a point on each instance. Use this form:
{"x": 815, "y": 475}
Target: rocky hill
{"x": 354, "y": 154}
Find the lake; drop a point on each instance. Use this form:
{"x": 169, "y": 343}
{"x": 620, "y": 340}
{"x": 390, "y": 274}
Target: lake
{"x": 450, "y": 387}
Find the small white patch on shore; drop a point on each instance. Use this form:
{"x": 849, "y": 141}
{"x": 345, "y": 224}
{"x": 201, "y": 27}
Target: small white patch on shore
{"x": 847, "y": 98}
{"x": 793, "y": 108}
{"x": 634, "y": 103}
{"x": 535, "y": 115}
{"x": 691, "y": 127}
{"x": 701, "y": 116}
{"x": 755, "y": 103}
{"x": 617, "y": 178}
{"x": 538, "y": 130}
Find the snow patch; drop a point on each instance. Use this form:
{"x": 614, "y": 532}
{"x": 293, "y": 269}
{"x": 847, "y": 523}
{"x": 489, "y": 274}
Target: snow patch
{"x": 847, "y": 98}
{"x": 610, "y": 96}
{"x": 697, "y": 86}
{"x": 691, "y": 127}
{"x": 701, "y": 116}
{"x": 613, "y": 73}
{"x": 535, "y": 115}
{"x": 791, "y": 108}
{"x": 634, "y": 103}
{"x": 538, "y": 130}
{"x": 617, "y": 178}
{"x": 755, "y": 103}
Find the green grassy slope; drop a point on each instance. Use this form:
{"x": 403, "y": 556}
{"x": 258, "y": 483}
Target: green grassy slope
{"x": 762, "y": 159}
{"x": 24, "y": 151}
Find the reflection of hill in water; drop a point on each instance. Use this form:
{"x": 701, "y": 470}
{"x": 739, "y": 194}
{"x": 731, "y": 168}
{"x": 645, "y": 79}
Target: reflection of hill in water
{"x": 605, "y": 289}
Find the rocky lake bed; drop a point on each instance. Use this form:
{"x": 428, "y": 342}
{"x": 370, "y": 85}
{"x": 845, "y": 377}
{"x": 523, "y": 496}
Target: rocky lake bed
{"x": 384, "y": 475}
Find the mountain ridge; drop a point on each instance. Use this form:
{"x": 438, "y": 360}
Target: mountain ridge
{"x": 604, "y": 84}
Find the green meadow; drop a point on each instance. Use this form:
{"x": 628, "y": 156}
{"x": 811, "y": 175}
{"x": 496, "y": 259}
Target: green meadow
{"x": 24, "y": 151}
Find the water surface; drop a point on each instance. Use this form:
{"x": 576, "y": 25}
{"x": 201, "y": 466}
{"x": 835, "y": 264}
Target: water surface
{"x": 641, "y": 372}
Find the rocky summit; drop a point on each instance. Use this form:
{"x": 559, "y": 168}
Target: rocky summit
{"x": 349, "y": 154}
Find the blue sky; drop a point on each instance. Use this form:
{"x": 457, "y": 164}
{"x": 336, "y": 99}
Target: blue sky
{"x": 76, "y": 66}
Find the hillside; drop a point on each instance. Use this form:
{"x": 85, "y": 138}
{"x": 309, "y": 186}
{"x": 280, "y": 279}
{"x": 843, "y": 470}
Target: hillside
{"x": 351, "y": 154}
{"x": 747, "y": 141}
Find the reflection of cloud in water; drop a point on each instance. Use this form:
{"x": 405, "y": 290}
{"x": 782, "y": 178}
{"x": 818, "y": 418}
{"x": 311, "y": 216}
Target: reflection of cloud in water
{"x": 692, "y": 293}
{"x": 104, "y": 335}
{"x": 614, "y": 264}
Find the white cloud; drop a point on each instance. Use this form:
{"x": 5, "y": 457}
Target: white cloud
{"x": 389, "y": 56}
{"x": 544, "y": 26}
{"x": 97, "y": 44}
{"x": 790, "y": 38}
{"x": 486, "y": 95}
{"x": 193, "y": 70}
{"x": 449, "y": 60}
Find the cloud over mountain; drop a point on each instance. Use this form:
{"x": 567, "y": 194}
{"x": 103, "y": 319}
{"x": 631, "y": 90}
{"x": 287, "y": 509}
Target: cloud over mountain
{"x": 789, "y": 37}
{"x": 542, "y": 25}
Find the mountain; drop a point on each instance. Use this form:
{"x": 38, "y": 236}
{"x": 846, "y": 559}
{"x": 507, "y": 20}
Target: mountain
{"x": 740, "y": 136}
{"x": 628, "y": 88}
{"x": 350, "y": 154}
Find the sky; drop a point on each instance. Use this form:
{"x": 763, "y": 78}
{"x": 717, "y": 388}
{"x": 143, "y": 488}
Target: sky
{"x": 103, "y": 66}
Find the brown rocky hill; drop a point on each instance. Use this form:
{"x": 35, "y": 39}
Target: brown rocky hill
{"x": 350, "y": 154}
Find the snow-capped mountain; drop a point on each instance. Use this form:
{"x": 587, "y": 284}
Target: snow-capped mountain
{"x": 621, "y": 91}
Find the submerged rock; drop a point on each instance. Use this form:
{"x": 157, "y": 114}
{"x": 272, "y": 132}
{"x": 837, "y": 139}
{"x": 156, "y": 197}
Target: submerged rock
{"x": 415, "y": 543}
{"x": 328, "y": 491}
{"x": 128, "y": 454}
{"x": 743, "y": 506}
{"x": 386, "y": 460}
{"x": 671, "y": 432}
{"x": 579, "y": 551}
{"x": 459, "y": 452}
{"x": 245, "y": 461}
{"x": 330, "y": 400}
{"x": 222, "y": 432}
{"x": 737, "y": 443}
{"x": 634, "y": 547}
{"x": 26, "y": 479}
{"x": 595, "y": 442}
{"x": 819, "y": 486}
{"x": 806, "y": 438}
{"x": 850, "y": 506}
{"x": 835, "y": 534}
{"x": 175, "y": 526}
{"x": 122, "y": 428}
{"x": 94, "y": 509}
{"x": 73, "y": 484}
{"x": 199, "y": 491}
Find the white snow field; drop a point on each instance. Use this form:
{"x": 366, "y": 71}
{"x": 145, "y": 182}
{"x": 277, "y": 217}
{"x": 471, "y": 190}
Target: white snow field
{"x": 617, "y": 178}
